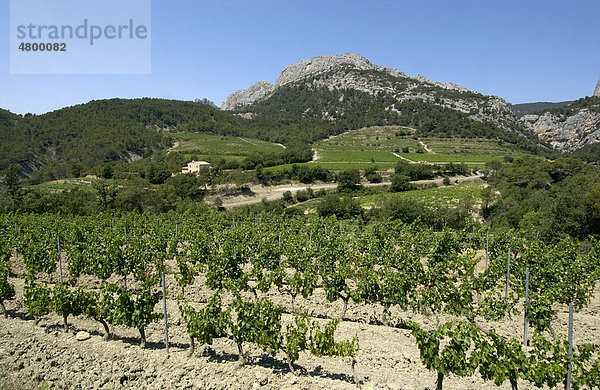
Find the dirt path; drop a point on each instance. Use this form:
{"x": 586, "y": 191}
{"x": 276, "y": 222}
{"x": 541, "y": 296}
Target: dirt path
{"x": 453, "y": 179}
{"x": 175, "y": 145}
{"x": 427, "y": 148}
{"x": 412, "y": 161}
{"x": 316, "y": 155}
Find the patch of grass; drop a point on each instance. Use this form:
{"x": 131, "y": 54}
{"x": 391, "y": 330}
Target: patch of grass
{"x": 354, "y": 154}
{"x": 448, "y": 196}
{"x": 211, "y": 145}
{"x": 455, "y": 158}
{"x": 469, "y": 146}
{"x": 338, "y": 166}
{"x": 67, "y": 184}
{"x": 382, "y": 137}
{"x": 213, "y": 158}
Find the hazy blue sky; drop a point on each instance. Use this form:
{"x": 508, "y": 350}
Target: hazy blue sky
{"x": 523, "y": 51}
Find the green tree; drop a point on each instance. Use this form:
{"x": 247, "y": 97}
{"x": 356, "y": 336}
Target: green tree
{"x": 400, "y": 183}
{"x": 76, "y": 169}
{"x": 107, "y": 171}
{"x": 342, "y": 207}
{"x": 348, "y": 180}
{"x": 13, "y": 181}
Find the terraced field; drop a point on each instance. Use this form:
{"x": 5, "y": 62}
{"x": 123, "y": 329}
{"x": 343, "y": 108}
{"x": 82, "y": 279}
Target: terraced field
{"x": 206, "y": 146}
{"x": 384, "y": 146}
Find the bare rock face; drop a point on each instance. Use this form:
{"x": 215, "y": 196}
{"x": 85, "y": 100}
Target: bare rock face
{"x": 566, "y": 134}
{"x": 597, "y": 90}
{"x": 244, "y": 97}
{"x": 315, "y": 65}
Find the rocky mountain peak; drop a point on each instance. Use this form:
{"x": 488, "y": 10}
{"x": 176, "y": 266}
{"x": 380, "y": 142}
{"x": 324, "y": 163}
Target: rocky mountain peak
{"x": 243, "y": 97}
{"x": 597, "y": 90}
{"x": 315, "y": 65}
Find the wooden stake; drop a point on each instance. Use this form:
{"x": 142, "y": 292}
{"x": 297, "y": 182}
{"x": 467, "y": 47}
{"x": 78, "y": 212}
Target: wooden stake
{"x": 525, "y": 324}
{"x": 507, "y": 274}
{"x": 570, "y": 364}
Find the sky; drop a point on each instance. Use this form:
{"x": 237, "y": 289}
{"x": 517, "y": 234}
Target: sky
{"x": 522, "y": 51}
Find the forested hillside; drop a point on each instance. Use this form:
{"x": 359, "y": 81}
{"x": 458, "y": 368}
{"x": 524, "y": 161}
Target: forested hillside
{"x": 560, "y": 197}
{"x": 315, "y": 113}
{"x": 101, "y": 131}
{"x": 120, "y": 129}
{"x": 90, "y": 133}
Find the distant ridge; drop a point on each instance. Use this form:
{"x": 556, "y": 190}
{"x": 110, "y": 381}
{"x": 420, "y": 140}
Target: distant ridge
{"x": 523, "y": 109}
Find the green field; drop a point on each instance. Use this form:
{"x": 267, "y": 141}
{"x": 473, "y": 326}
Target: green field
{"x": 338, "y": 166}
{"x": 375, "y": 138}
{"x": 384, "y": 145}
{"x": 445, "y": 158}
{"x": 437, "y": 196}
{"x": 214, "y": 145}
{"x": 353, "y": 153}
{"x": 379, "y": 146}
{"x": 447, "y": 196}
{"x": 67, "y": 184}
{"x": 469, "y": 146}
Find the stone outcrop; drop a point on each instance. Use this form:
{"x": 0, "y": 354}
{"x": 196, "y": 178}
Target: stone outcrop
{"x": 597, "y": 90}
{"x": 321, "y": 64}
{"x": 244, "y": 97}
{"x": 566, "y": 134}
{"x": 206, "y": 101}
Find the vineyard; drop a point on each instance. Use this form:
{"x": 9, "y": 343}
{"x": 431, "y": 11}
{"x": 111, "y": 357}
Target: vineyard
{"x": 282, "y": 287}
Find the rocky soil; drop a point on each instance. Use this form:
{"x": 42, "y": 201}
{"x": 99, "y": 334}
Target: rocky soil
{"x": 32, "y": 354}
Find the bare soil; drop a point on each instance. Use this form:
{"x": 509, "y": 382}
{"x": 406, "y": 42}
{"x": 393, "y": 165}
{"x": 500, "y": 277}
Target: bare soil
{"x": 32, "y": 354}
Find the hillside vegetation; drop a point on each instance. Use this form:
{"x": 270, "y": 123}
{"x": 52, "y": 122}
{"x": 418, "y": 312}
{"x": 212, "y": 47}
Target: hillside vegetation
{"x": 119, "y": 129}
{"x": 312, "y": 114}
{"x": 531, "y": 108}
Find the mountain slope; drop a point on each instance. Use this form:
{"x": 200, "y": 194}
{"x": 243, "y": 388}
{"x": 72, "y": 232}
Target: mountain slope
{"x": 354, "y": 72}
{"x": 327, "y": 95}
